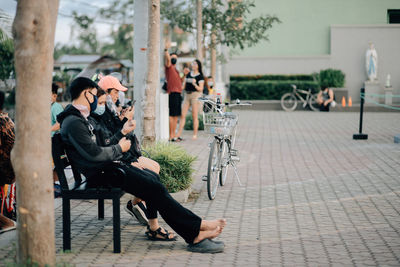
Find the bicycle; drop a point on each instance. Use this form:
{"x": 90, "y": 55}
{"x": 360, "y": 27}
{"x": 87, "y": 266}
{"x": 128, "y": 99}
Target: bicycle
{"x": 289, "y": 100}
{"x": 222, "y": 125}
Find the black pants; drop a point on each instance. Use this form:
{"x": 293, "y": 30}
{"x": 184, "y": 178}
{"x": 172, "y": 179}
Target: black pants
{"x": 146, "y": 185}
{"x": 324, "y": 108}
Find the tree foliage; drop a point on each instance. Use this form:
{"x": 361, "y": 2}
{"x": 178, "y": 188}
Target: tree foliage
{"x": 119, "y": 10}
{"x": 229, "y": 20}
{"x": 87, "y": 33}
{"x": 122, "y": 43}
{"x": 6, "y": 57}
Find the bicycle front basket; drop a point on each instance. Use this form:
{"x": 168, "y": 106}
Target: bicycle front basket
{"x": 217, "y": 124}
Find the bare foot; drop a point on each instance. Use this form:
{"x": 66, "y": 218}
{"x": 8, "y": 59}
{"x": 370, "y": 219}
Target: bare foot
{"x": 207, "y": 234}
{"x": 211, "y": 225}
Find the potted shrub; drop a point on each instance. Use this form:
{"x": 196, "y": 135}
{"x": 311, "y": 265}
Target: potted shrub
{"x": 176, "y": 167}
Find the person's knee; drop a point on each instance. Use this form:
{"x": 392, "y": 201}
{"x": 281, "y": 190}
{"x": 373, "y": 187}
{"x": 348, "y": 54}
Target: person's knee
{"x": 157, "y": 167}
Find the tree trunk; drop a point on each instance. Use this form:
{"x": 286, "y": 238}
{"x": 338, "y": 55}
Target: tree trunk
{"x": 213, "y": 48}
{"x": 199, "y": 26}
{"x": 34, "y": 29}
{"x": 213, "y": 52}
{"x": 152, "y": 82}
{"x": 140, "y": 50}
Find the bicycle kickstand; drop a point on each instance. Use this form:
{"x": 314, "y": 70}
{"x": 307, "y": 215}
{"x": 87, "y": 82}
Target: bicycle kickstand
{"x": 236, "y": 174}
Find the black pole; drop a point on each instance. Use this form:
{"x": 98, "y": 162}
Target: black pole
{"x": 360, "y": 135}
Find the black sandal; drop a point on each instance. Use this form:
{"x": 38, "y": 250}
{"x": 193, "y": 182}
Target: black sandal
{"x": 152, "y": 235}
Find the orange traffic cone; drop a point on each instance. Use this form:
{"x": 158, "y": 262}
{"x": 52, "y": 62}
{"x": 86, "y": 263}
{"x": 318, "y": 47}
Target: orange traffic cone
{"x": 343, "y": 101}
{"x": 350, "y": 102}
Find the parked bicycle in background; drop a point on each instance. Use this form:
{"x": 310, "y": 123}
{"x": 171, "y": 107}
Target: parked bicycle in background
{"x": 289, "y": 100}
{"x": 222, "y": 126}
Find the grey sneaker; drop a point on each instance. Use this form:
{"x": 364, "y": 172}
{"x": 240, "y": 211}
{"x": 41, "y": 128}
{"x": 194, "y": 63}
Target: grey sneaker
{"x": 137, "y": 212}
{"x": 206, "y": 246}
{"x": 218, "y": 242}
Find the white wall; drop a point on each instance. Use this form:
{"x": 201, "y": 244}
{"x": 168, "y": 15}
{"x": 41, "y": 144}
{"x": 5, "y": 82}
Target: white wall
{"x": 348, "y": 46}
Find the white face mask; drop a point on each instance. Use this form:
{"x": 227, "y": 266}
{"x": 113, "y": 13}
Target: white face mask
{"x": 100, "y": 109}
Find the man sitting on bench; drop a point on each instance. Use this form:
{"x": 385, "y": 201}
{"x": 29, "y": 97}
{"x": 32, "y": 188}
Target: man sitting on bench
{"x": 90, "y": 159}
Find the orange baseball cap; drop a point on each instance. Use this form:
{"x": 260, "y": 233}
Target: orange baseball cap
{"x": 110, "y": 82}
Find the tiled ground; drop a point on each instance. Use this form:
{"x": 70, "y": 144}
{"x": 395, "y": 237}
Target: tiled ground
{"x": 311, "y": 196}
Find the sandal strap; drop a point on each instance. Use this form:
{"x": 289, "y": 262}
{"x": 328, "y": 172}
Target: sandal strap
{"x": 159, "y": 232}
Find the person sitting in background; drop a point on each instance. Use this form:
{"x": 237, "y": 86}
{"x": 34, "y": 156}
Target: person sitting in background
{"x": 325, "y": 98}
{"x": 7, "y": 176}
{"x": 91, "y": 159}
{"x": 56, "y": 109}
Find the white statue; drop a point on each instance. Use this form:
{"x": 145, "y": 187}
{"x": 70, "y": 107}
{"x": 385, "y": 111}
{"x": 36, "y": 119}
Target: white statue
{"x": 371, "y": 62}
{"x": 388, "y": 81}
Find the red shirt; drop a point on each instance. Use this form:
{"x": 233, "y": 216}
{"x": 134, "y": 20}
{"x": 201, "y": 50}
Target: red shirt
{"x": 174, "y": 82}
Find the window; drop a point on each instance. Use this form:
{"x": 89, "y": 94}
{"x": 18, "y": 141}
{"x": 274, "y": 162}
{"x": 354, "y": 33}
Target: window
{"x": 393, "y": 16}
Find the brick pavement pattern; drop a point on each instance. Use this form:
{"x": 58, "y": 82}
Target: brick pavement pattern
{"x": 311, "y": 196}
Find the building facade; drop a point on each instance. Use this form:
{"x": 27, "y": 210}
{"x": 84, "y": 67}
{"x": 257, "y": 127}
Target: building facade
{"x": 320, "y": 34}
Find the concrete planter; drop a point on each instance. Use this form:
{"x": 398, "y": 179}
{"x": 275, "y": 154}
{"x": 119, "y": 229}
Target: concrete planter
{"x": 182, "y": 196}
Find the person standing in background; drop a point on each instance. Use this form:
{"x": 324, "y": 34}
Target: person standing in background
{"x": 194, "y": 85}
{"x": 174, "y": 90}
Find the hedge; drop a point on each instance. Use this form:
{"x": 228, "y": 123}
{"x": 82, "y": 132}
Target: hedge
{"x": 270, "y": 77}
{"x": 331, "y": 78}
{"x": 267, "y": 90}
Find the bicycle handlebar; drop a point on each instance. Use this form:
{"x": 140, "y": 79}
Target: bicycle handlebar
{"x": 238, "y": 103}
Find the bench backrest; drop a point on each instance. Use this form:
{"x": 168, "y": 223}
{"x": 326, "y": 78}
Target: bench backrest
{"x": 61, "y": 162}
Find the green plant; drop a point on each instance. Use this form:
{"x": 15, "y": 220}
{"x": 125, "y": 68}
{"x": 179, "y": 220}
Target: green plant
{"x": 331, "y": 78}
{"x": 267, "y": 90}
{"x": 189, "y": 123}
{"x": 176, "y": 165}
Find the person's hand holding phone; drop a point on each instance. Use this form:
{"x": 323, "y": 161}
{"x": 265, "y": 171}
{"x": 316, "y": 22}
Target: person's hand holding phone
{"x": 128, "y": 127}
{"x": 129, "y": 113}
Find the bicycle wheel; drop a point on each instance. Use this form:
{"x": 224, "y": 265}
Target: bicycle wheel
{"x": 225, "y": 159}
{"x": 289, "y": 102}
{"x": 213, "y": 169}
{"x": 312, "y": 102}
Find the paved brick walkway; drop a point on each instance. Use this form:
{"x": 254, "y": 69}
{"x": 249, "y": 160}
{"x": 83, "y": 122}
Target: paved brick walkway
{"x": 311, "y": 196}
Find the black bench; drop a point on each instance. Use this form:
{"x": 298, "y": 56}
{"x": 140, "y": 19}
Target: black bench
{"x": 80, "y": 190}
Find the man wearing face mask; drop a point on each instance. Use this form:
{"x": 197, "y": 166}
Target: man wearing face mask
{"x": 174, "y": 90}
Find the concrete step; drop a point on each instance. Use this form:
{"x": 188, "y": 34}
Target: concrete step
{"x": 276, "y": 105}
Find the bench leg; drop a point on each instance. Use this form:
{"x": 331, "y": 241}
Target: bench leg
{"x": 101, "y": 209}
{"x": 66, "y": 224}
{"x": 116, "y": 225}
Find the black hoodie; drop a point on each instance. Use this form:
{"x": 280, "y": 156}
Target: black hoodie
{"x": 82, "y": 149}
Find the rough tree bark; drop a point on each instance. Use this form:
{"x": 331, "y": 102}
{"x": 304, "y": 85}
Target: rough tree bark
{"x": 33, "y": 30}
{"x": 199, "y": 26}
{"x": 152, "y": 82}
